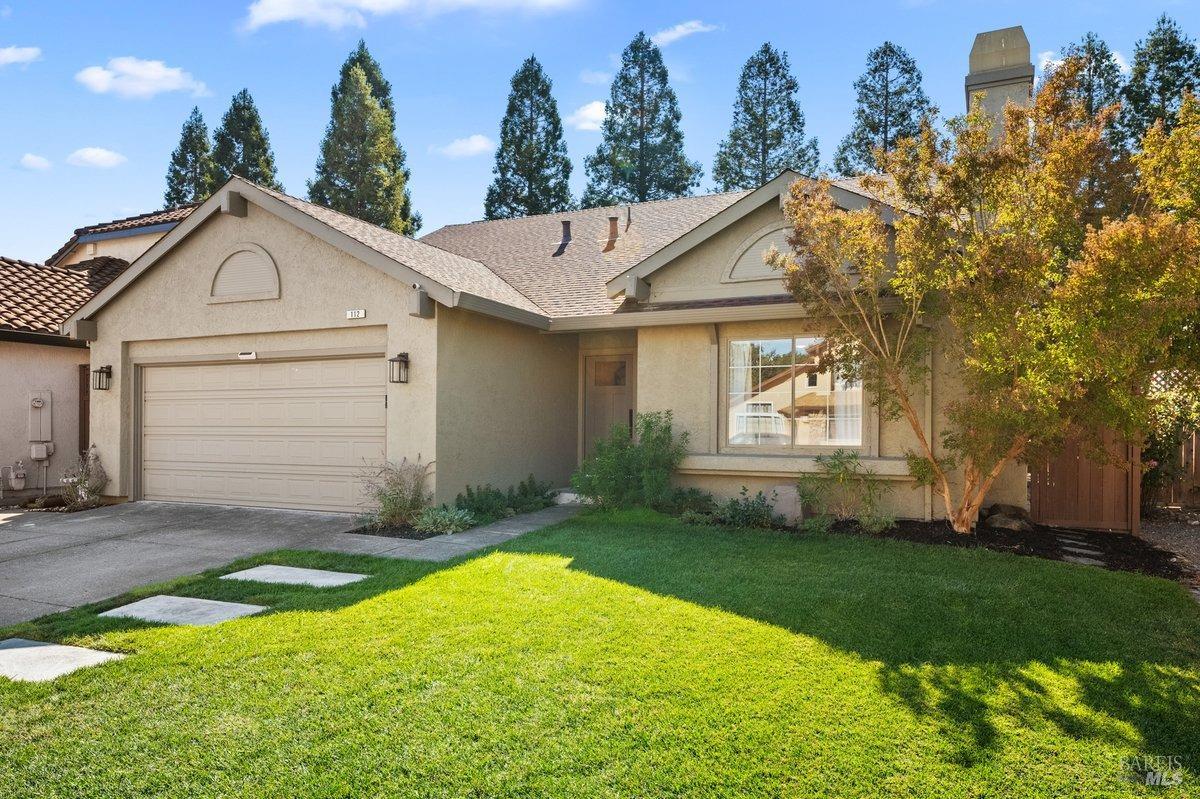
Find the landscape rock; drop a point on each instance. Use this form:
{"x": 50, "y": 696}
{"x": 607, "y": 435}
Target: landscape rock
{"x": 1002, "y": 521}
{"x": 1001, "y": 509}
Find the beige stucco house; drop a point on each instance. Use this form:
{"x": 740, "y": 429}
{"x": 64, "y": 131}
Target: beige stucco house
{"x": 250, "y": 349}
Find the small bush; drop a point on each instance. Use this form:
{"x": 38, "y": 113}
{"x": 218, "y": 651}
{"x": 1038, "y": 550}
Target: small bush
{"x": 845, "y": 490}
{"x": 819, "y": 523}
{"x": 750, "y": 511}
{"x": 695, "y": 517}
{"x": 443, "y": 520}
{"x": 397, "y": 492}
{"x": 83, "y": 485}
{"x": 692, "y": 500}
{"x": 626, "y": 472}
{"x": 486, "y": 503}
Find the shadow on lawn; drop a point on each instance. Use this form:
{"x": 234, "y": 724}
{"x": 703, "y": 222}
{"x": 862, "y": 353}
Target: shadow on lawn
{"x": 963, "y": 638}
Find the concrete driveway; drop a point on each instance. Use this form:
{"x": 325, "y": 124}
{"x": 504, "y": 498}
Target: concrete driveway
{"x": 55, "y": 561}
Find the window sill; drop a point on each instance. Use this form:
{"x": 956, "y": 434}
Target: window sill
{"x": 781, "y": 465}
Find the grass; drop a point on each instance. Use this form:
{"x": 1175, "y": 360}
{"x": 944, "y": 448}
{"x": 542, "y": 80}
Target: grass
{"x": 627, "y": 654}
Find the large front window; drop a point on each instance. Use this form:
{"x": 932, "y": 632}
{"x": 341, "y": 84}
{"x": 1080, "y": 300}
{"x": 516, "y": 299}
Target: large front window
{"x": 787, "y": 392}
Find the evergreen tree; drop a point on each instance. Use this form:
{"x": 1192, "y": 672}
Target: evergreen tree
{"x": 1098, "y": 84}
{"x": 891, "y": 104}
{"x": 1165, "y": 65}
{"x": 381, "y": 90}
{"x": 641, "y": 155}
{"x": 532, "y": 169}
{"x": 241, "y": 146}
{"x": 355, "y": 172}
{"x": 767, "y": 135}
{"x": 189, "y": 174}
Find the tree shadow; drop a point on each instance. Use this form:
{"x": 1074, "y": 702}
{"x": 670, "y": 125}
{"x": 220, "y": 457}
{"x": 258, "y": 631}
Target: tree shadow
{"x": 964, "y": 638}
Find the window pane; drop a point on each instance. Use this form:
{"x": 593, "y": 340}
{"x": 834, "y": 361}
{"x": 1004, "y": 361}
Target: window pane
{"x": 760, "y": 392}
{"x": 610, "y": 373}
{"x": 828, "y": 410}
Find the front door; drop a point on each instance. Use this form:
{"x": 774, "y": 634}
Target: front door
{"x": 609, "y": 382}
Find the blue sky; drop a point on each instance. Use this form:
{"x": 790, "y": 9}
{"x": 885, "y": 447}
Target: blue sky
{"x": 90, "y": 119}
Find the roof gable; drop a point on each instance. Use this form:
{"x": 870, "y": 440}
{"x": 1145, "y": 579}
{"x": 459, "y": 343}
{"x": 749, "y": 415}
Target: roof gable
{"x": 153, "y": 222}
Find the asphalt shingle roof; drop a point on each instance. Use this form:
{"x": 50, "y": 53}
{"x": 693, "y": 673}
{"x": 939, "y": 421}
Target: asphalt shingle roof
{"x": 37, "y": 298}
{"x": 525, "y": 251}
{"x": 452, "y": 270}
{"x": 165, "y": 216}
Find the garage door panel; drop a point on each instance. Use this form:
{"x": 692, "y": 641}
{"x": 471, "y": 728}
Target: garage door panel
{"x": 277, "y": 434}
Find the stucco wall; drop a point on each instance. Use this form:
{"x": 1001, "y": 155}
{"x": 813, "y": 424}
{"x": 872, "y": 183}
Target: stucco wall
{"x": 34, "y": 367}
{"x": 506, "y": 404}
{"x": 126, "y": 247}
{"x": 165, "y": 315}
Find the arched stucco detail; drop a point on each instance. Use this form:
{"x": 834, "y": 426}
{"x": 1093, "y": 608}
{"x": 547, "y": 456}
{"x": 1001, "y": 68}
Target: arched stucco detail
{"x": 748, "y": 264}
{"x": 247, "y": 272}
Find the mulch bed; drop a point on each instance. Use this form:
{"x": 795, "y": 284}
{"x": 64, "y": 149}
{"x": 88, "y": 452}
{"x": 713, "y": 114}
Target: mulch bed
{"x": 1122, "y": 551}
{"x": 393, "y": 532}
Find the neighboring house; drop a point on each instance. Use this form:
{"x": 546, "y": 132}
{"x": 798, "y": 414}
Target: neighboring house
{"x": 266, "y": 348}
{"x": 121, "y": 238}
{"x": 44, "y": 373}
{"x": 37, "y": 361}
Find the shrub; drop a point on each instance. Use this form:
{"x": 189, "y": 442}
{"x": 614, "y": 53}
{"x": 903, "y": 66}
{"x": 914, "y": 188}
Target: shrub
{"x": 626, "y": 471}
{"x": 82, "y": 485}
{"x": 487, "y": 503}
{"x": 692, "y": 500}
{"x": 397, "y": 491}
{"x": 845, "y": 490}
{"x": 443, "y": 520}
{"x": 750, "y": 511}
{"x": 696, "y": 517}
{"x": 820, "y": 523}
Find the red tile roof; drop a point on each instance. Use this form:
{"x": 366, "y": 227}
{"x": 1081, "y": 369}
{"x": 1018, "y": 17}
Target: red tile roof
{"x": 163, "y": 217}
{"x": 37, "y": 298}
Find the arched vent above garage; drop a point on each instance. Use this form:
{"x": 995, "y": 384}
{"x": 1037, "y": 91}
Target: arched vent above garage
{"x": 246, "y": 273}
{"x": 749, "y": 265}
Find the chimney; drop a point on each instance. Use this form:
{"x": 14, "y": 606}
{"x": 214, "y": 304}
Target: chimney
{"x": 628, "y": 216}
{"x": 612, "y": 233}
{"x": 566, "y": 238}
{"x": 1001, "y": 71}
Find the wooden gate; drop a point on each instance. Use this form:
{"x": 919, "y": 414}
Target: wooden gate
{"x": 1185, "y": 491}
{"x": 1073, "y": 491}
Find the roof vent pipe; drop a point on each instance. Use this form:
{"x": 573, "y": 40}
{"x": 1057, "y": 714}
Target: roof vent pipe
{"x": 628, "y": 216}
{"x": 612, "y": 233}
{"x": 566, "y": 238}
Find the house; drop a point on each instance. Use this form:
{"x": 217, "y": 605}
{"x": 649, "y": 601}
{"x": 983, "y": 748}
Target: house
{"x": 266, "y": 348}
{"x": 44, "y": 373}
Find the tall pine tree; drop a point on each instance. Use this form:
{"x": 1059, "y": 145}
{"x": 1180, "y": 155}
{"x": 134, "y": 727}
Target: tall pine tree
{"x": 641, "y": 155}
{"x": 1165, "y": 65}
{"x": 891, "y": 104}
{"x": 532, "y": 170}
{"x": 381, "y": 90}
{"x": 189, "y": 175}
{"x": 1099, "y": 81}
{"x": 355, "y": 173}
{"x": 241, "y": 146}
{"x": 767, "y": 135}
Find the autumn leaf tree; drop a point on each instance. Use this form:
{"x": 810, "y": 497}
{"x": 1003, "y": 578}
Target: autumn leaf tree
{"x": 988, "y": 255}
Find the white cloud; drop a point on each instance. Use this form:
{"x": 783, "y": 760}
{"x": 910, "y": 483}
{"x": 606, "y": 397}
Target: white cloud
{"x": 34, "y": 163}
{"x": 19, "y": 55}
{"x": 96, "y": 157}
{"x": 139, "y": 79}
{"x": 587, "y": 117}
{"x": 337, "y": 14}
{"x": 681, "y": 31}
{"x": 473, "y": 145}
{"x": 596, "y": 77}
{"x": 1122, "y": 62}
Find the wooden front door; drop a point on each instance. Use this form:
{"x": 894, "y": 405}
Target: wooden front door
{"x": 1073, "y": 491}
{"x": 608, "y": 396}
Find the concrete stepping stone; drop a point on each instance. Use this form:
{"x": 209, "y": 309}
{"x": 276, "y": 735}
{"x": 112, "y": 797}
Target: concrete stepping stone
{"x": 183, "y": 610}
{"x": 1082, "y": 550}
{"x": 38, "y": 661}
{"x": 292, "y": 575}
{"x": 1082, "y": 560}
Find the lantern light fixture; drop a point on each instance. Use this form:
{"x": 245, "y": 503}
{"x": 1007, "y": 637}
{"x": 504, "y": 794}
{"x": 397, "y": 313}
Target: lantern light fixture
{"x": 398, "y": 368}
{"x": 102, "y": 378}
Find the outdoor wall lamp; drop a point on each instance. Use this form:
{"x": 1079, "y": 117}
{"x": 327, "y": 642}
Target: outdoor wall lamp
{"x": 398, "y": 368}
{"x": 102, "y": 378}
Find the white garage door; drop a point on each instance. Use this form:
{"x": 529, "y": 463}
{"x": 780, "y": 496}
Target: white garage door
{"x": 282, "y": 434}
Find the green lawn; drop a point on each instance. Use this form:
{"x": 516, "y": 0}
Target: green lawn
{"x": 626, "y": 654}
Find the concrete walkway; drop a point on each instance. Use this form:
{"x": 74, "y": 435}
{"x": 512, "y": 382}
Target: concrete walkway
{"x": 445, "y": 547}
{"x": 51, "y": 562}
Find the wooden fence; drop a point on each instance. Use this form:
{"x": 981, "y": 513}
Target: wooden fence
{"x": 1073, "y": 491}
